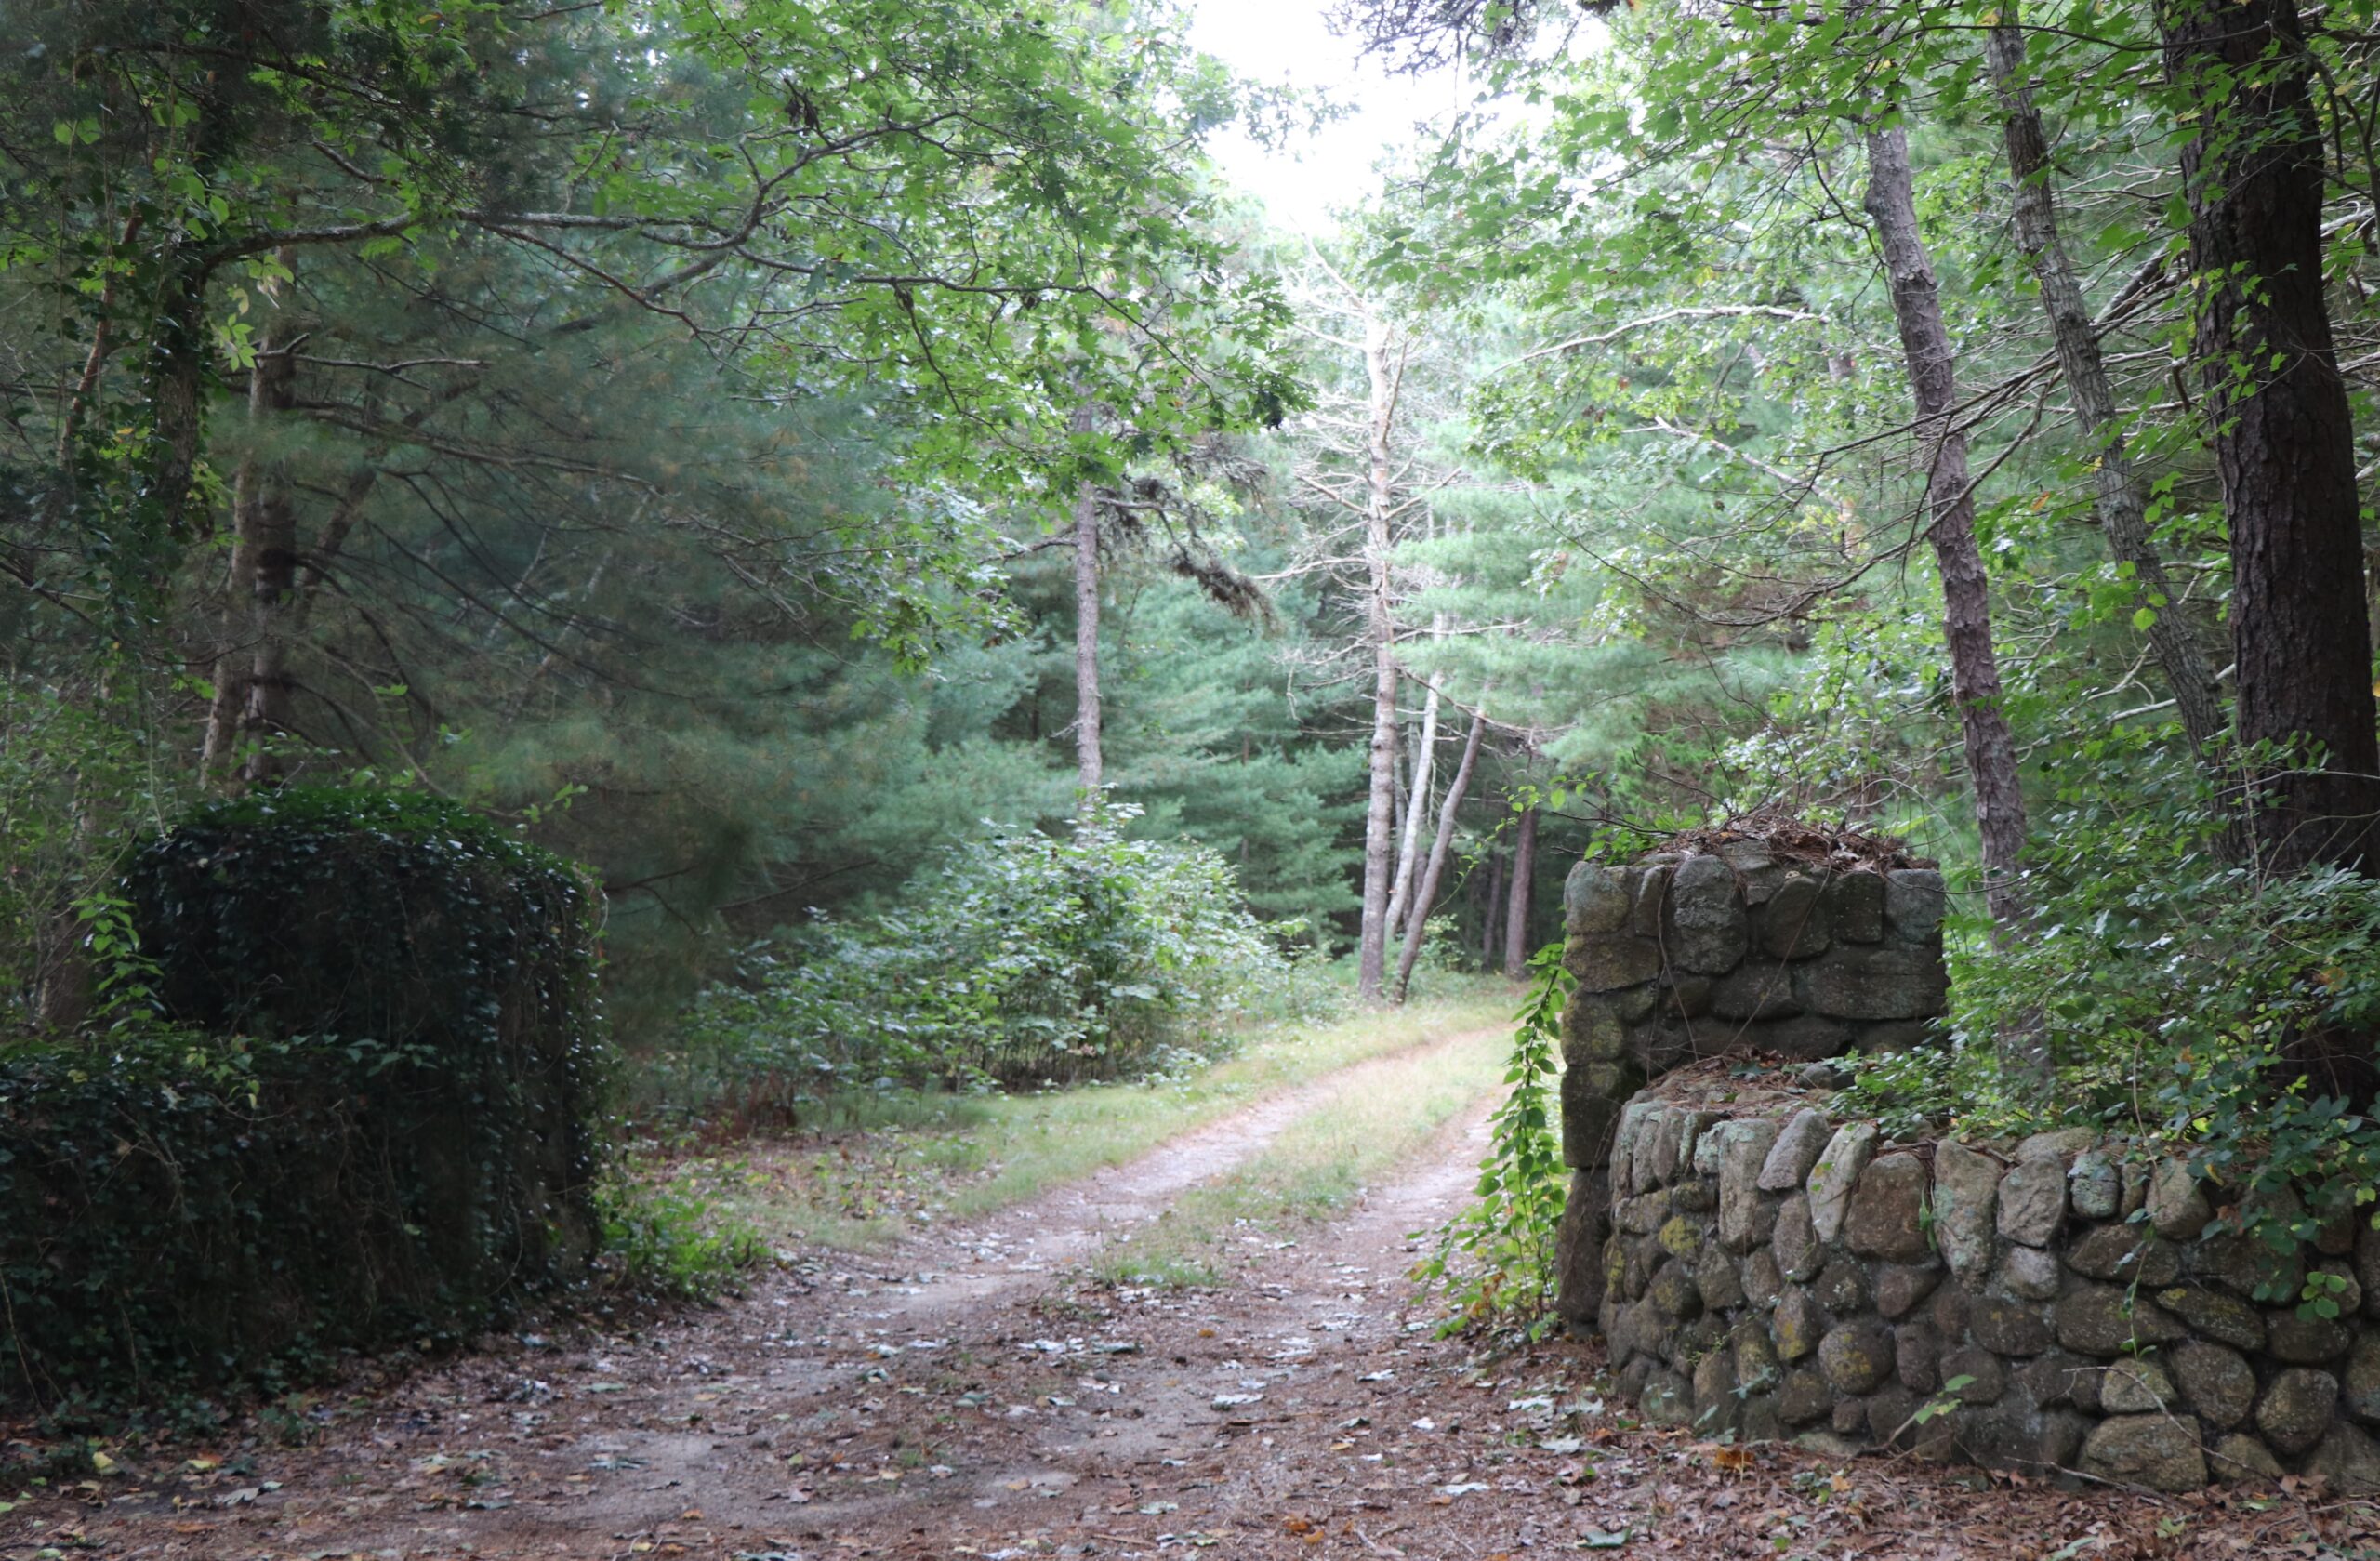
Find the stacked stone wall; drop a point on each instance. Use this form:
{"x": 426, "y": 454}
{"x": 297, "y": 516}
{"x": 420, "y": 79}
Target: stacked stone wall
{"x": 1773, "y": 1272}
{"x": 1734, "y": 952}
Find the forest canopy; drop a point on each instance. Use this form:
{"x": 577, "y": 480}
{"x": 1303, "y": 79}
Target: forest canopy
{"x": 760, "y": 454}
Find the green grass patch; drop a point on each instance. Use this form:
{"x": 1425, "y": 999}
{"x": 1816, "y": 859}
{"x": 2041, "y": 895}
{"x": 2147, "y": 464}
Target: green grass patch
{"x": 662, "y": 1243}
{"x": 874, "y": 1165}
{"x": 1368, "y": 1125}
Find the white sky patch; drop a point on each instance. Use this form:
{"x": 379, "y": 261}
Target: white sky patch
{"x": 1286, "y": 42}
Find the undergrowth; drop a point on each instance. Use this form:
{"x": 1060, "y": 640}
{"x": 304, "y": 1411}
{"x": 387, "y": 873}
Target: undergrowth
{"x": 1019, "y": 960}
{"x": 2176, "y": 990}
{"x": 1495, "y": 1260}
{"x": 662, "y": 1243}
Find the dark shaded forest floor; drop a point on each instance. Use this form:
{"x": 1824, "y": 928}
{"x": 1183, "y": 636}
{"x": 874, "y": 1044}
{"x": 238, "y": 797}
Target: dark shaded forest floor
{"x": 977, "y": 1393}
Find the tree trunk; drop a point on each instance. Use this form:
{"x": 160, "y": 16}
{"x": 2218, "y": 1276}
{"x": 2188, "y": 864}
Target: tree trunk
{"x": 1966, "y": 589}
{"x": 1490, "y": 903}
{"x": 252, "y": 701}
{"x": 1416, "y": 806}
{"x": 1379, "y": 818}
{"x": 1089, "y": 764}
{"x": 2282, "y": 432}
{"x": 1417, "y": 922}
{"x": 61, "y": 968}
{"x": 1516, "y": 950}
{"x": 180, "y": 352}
{"x": 2122, "y": 507}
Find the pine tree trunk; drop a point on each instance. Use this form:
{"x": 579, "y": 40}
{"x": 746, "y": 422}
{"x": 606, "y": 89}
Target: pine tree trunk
{"x": 1966, "y": 589}
{"x": 1516, "y": 950}
{"x": 2283, "y": 431}
{"x": 1417, "y": 921}
{"x": 1379, "y": 818}
{"x": 251, "y": 704}
{"x": 2121, "y": 504}
{"x": 1490, "y": 903}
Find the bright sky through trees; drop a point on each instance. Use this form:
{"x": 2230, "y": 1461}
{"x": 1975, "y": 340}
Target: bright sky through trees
{"x": 1289, "y": 42}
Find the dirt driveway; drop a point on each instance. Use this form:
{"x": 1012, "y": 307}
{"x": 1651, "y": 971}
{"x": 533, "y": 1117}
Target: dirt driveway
{"x": 976, "y": 1394}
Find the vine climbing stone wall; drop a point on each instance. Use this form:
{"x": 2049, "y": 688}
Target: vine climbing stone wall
{"x": 1736, "y": 951}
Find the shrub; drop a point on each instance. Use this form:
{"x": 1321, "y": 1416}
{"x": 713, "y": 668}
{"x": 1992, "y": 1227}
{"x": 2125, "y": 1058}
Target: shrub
{"x": 2147, "y": 948}
{"x": 1017, "y": 959}
{"x": 2171, "y": 988}
{"x": 372, "y": 1117}
{"x": 667, "y": 1245}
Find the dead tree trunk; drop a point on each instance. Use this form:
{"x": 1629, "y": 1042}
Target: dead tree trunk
{"x": 1516, "y": 951}
{"x": 1382, "y": 373}
{"x": 1417, "y": 922}
{"x": 2122, "y": 506}
{"x": 1949, "y": 502}
{"x": 1417, "y": 807}
{"x": 1089, "y": 764}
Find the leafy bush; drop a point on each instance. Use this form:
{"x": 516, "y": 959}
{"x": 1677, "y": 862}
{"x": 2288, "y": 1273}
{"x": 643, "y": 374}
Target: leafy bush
{"x": 1017, "y": 959}
{"x": 2172, "y": 988}
{"x": 2147, "y": 946}
{"x": 370, "y": 1119}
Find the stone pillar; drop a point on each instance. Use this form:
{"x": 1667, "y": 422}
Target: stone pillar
{"x": 1736, "y": 952}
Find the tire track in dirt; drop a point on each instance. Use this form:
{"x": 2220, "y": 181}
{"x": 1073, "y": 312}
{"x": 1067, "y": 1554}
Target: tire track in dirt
{"x": 1013, "y": 1411}
{"x": 1304, "y": 1327}
{"x": 1002, "y": 1262}
{"x": 1069, "y": 1225}
{"x": 728, "y": 1423}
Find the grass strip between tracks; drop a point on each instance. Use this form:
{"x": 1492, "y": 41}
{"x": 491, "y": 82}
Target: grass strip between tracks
{"x": 883, "y": 1165}
{"x": 1374, "y": 1122}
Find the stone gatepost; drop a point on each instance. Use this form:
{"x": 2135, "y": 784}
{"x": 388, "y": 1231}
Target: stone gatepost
{"x": 1737, "y": 951}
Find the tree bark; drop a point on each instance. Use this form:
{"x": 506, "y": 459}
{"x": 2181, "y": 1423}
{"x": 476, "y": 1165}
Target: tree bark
{"x": 1966, "y": 589}
{"x": 176, "y": 375}
{"x": 1090, "y": 762}
{"x": 1516, "y": 950}
{"x": 2122, "y": 506}
{"x": 61, "y": 969}
{"x": 1379, "y": 818}
{"x": 1417, "y": 922}
{"x": 252, "y": 702}
{"x": 1417, "y": 807}
{"x": 2282, "y": 432}
{"x": 1490, "y": 903}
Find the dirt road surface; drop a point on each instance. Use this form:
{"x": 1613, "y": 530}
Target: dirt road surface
{"x": 975, "y": 1393}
